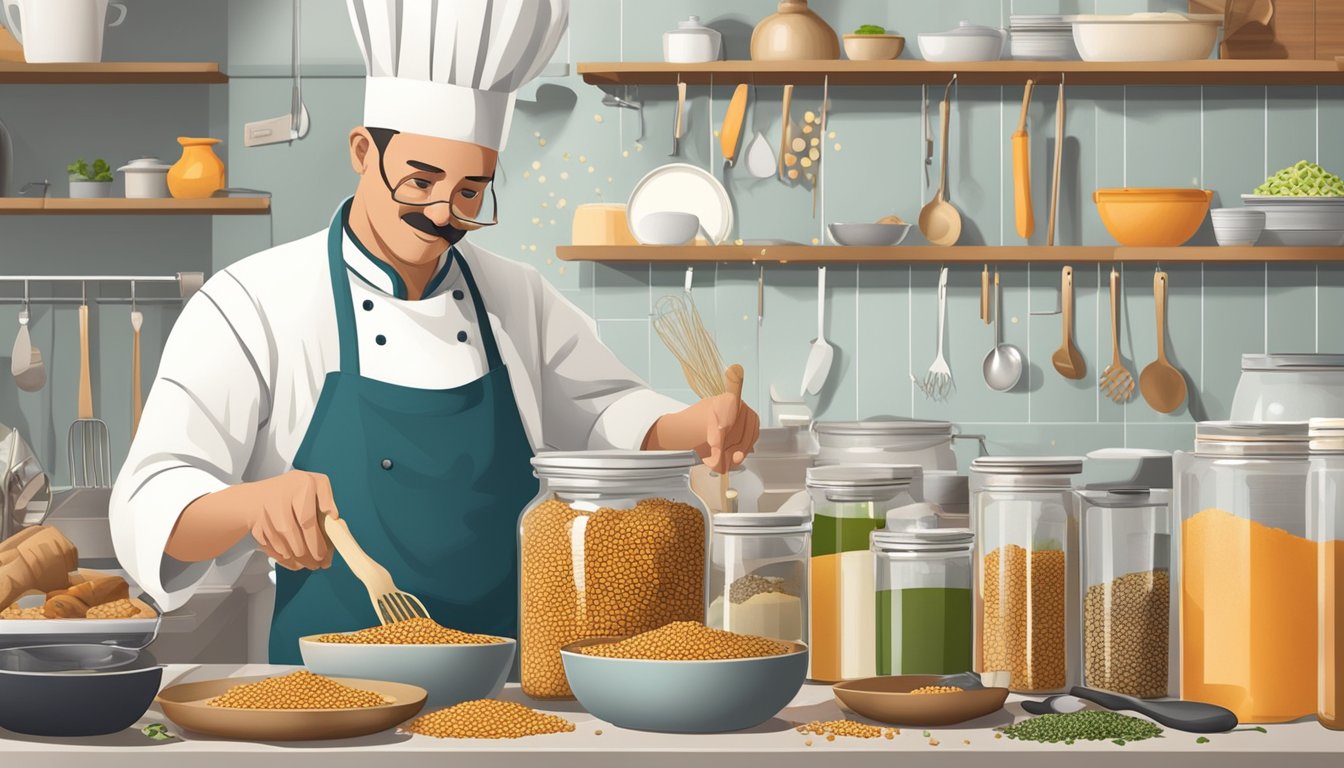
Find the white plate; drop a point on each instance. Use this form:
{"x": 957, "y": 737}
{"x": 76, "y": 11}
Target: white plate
{"x": 685, "y": 188}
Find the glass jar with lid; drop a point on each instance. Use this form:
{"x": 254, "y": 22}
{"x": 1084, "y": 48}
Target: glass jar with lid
{"x": 1127, "y": 611}
{"x": 758, "y": 576}
{"x": 1246, "y": 570}
{"x": 927, "y": 444}
{"x": 1289, "y": 387}
{"x": 923, "y": 588}
{"x": 1026, "y": 585}
{"x": 615, "y": 543}
{"x": 1325, "y": 522}
{"x": 849, "y": 502}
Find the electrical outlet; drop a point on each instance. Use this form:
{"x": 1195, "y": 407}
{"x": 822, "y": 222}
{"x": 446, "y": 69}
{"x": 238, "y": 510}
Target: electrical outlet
{"x": 262, "y": 132}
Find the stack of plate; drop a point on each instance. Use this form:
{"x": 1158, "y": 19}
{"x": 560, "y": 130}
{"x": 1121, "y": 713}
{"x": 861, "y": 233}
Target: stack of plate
{"x": 1042, "y": 37}
{"x": 1300, "y": 221}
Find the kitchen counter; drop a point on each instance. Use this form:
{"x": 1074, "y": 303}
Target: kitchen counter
{"x": 775, "y": 744}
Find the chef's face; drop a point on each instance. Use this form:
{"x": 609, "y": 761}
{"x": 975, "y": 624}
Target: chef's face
{"x": 420, "y": 192}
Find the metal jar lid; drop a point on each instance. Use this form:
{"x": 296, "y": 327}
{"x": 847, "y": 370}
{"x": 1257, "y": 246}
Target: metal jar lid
{"x": 1028, "y": 465}
{"x": 1292, "y": 361}
{"x": 762, "y": 522}
{"x": 613, "y": 463}
{"x": 922, "y": 540}
{"x": 1327, "y": 435}
{"x": 866, "y": 476}
{"x": 883, "y": 427}
{"x": 1251, "y": 438}
{"x": 1128, "y": 498}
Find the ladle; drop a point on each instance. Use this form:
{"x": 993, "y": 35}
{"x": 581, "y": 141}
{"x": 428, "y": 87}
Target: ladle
{"x": 939, "y": 220}
{"x": 1003, "y": 364}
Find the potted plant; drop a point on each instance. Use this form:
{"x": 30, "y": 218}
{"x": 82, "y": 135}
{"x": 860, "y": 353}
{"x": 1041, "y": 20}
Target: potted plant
{"x": 88, "y": 182}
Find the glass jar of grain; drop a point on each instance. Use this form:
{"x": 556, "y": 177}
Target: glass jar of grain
{"x": 1026, "y": 581}
{"x": 1246, "y": 570}
{"x": 848, "y": 503}
{"x": 614, "y": 544}
{"x": 1325, "y": 523}
{"x": 923, "y": 585}
{"x": 1127, "y": 611}
{"x": 758, "y": 577}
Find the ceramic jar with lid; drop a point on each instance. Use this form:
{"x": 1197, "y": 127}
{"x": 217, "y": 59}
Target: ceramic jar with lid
{"x": 1026, "y": 563}
{"x": 1246, "y": 570}
{"x": 923, "y": 588}
{"x": 792, "y": 33}
{"x": 691, "y": 43}
{"x": 614, "y": 544}
{"x": 759, "y": 574}
{"x": 968, "y": 42}
{"x": 1128, "y": 615}
{"x": 886, "y": 441}
{"x": 1289, "y": 387}
{"x": 146, "y": 177}
{"x": 1325, "y": 522}
{"x": 849, "y": 502}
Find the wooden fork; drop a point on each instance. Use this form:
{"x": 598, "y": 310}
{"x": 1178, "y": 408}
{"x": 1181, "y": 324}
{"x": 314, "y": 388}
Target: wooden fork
{"x": 1116, "y": 381}
{"x": 391, "y": 604}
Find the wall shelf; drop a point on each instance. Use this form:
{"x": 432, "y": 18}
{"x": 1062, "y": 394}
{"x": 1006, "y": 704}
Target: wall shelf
{"x": 916, "y": 254}
{"x": 210, "y": 206}
{"x": 916, "y": 72}
{"x": 112, "y": 72}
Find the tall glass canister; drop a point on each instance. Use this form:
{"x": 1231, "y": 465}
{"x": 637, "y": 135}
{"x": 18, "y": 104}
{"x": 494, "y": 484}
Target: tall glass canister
{"x": 1325, "y": 500}
{"x": 923, "y": 604}
{"x": 1127, "y": 611}
{"x": 1246, "y": 570}
{"x": 849, "y": 502}
{"x": 1027, "y": 570}
{"x": 758, "y": 580}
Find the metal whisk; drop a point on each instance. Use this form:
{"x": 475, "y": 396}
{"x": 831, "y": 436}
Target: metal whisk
{"x": 87, "y": 444}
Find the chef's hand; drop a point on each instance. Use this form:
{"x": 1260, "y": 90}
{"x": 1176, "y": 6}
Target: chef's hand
{"x": 722, "y": 429}
{"x": 283, "y": 513}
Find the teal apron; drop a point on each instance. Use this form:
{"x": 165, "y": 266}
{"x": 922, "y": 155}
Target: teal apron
{"x": 431, "y": 483}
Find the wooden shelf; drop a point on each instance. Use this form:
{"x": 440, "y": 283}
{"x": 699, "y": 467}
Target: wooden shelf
{"x": 112, "y": 72}
{"x": 210, "y": 206}
{"x": 916, "y": 72}
{"x": 915, "y": 254}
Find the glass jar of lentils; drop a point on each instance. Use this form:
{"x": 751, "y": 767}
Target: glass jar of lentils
{"x": 614, "y": 544}
{"x": 1128, "y": 614}
{"x": 1026, "y": 569}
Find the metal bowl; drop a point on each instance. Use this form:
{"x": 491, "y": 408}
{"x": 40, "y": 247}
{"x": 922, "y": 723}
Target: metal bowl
{"x": 75, "y": 690}
{"x": 869, "y": 235}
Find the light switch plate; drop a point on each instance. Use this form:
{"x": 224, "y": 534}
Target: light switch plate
{"x": 262, "y": 132}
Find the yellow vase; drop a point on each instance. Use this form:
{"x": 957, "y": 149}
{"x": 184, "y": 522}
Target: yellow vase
{"x": 199, "y": 172}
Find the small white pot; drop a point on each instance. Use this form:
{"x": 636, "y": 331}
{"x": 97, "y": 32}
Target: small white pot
{"x": 692, "y": 43}
{"x": 146, "y": 178}
{"x": 90, "y": 189}
{"x": 968, "y": 42}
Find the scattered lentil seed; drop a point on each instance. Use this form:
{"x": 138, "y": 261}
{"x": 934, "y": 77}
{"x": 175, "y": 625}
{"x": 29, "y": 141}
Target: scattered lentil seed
{"x": 967, "y": 742}
{"x": 840, "y": 728}
{"x": 889, "y": 735}
{"x": 297, "y": 690}
{"x": 1086, "y": 725}
{"x": 934, "y": 742}
{"x": 926, "y": 734}
{"x": 1202, "y": 740}
{"x": 487, "y": 719}
{"x": 807, "y": 743}
{"x": 689, "y": 641}
{"x": 597, "y": 732}
{"x": 418, "y": 631}
{"x": 935, "y": 689}
{"x": 830, "y": 737}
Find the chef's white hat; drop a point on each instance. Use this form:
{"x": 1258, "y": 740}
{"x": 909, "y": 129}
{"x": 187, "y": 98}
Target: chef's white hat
{"x": 449, "y": 68}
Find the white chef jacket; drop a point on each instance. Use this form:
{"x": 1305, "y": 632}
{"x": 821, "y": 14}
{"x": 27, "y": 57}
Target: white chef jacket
{"x": 242, "y": 370}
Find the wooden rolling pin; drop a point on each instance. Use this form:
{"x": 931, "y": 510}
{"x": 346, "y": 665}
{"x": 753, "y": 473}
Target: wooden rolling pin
{"x": 41, "y": 560}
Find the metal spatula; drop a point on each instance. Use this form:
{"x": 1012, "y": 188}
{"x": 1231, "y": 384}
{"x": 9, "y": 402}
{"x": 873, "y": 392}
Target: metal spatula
{"x": 88, "y": 445}
{"x": 390, "y": 603}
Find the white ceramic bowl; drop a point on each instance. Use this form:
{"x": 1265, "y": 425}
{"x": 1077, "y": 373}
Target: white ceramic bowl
{"x": 1145, "y": 36}
{"x": 451, "y": 674}
{"x": 1300, "y": 221}
{"x": 869, "y": 235}
{"x": 668, "y": 228}
{"x": 968, "y": 42}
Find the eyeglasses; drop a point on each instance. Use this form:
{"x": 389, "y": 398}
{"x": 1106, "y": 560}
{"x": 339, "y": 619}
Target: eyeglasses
{"x": 471, "y": 202}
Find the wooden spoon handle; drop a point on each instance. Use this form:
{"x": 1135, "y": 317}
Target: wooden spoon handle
{"x": 372, "y": 575}
{"x": 784, "y": 128}
{"x": 1066, "y": 299}
{"x": 984, "y": 295}
{"x": 85, "y": 375}
{"x": 1160, "y": 299}
{"x": 136, "y": 401}
{"x": 1026, "y": 103}
{"x": 944, "y": 113}
{"x": 1059, "y": 160}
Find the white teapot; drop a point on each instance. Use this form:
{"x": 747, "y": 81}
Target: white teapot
{"x": 60, "y": 31}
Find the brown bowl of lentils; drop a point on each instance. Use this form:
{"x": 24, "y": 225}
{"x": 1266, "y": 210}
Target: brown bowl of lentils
{"x": 452, "y": 666}
{"x": 916, "y": 700}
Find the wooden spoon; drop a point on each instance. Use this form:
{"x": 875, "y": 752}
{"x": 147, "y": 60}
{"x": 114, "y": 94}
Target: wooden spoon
{"x": 1067, "y": 359}
{"x": 732, "y": 381}
{"x": 939, "y": 220}
{"x": 1162, "y": 385}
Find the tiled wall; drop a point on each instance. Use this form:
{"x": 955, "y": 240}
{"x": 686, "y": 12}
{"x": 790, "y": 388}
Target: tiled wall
{"x": 567, "y": 149}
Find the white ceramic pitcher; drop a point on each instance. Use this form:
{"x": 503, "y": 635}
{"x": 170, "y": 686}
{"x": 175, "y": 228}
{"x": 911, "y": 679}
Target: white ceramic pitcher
{"x": 60, "y": 31}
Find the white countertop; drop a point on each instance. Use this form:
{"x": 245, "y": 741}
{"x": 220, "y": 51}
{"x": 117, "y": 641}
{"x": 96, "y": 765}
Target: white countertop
{"x": 775, "y": 744}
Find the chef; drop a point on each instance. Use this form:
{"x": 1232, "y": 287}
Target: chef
{"x": 386, "y": 371}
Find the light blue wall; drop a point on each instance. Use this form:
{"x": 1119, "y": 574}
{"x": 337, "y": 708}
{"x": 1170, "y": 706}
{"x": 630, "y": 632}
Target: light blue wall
{"x": 880, "y": 317}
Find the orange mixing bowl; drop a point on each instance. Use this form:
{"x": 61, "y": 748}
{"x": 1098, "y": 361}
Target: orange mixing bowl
{"x": 1152, "y": 217}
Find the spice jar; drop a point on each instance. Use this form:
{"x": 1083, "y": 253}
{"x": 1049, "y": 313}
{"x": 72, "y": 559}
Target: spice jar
{"x": 1127, "y": 611}
{"x": 849, "y": 502}
{"x": 1325, "y": 502}
{"x": 923, "y": 582}
{"x": 1026, "y": 585}
{"x": 758, "y": 576}
{"x": 1246, "y": 570}
{"x": 614, "y": 544}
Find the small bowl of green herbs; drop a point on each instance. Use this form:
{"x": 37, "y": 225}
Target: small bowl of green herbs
{"x": 871, "y": 42}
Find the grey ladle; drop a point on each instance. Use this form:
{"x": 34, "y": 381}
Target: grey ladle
{"x": 1003, "y": 364}
{"x": 1188, "y": 716}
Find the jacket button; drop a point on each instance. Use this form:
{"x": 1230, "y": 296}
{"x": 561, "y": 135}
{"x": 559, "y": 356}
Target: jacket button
{"x": 387, "y": 463}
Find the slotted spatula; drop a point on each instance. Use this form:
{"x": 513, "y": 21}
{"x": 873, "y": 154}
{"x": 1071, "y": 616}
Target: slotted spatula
{"x": 87, "y": 443}
{"x": 1116, "y": 382}
{"x": 391, "y": 604}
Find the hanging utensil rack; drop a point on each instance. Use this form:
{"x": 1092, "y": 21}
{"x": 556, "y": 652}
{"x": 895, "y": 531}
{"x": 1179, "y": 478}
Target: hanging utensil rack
{"x": 187, "y": 284}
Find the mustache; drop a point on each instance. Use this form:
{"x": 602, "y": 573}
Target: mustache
{"x": 421, "y": 222}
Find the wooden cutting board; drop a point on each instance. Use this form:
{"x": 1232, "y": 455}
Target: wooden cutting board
{"x": 1299, "y": 29}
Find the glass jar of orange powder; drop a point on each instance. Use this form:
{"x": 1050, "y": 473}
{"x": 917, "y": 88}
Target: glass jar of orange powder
{"x": 1325, "y": 501}
{"x": 1246, "y": 570}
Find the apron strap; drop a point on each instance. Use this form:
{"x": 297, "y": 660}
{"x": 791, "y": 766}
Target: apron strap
{"x": 340, "y": 291}
{"x": 493, "y": 360}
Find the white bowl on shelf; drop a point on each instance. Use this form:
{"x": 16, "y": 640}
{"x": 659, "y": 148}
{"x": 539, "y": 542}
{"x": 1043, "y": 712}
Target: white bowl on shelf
{"x": 1146, "y": 36}
{"x": 1237, "y": 226}
{"x": 868, "y": 235}
{"x": 669, "y": 228}
{"x": 1300, "y": 221}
